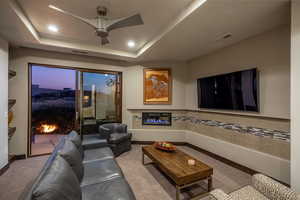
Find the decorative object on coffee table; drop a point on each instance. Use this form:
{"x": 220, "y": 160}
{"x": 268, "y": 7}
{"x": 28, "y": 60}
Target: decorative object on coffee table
{"x": 175, "y": 165}
{"x": 165, "y": 146}
{"x": 157, "y": 86}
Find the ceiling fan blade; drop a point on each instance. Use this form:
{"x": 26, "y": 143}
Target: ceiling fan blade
{"x": 91, "y": 22}
{"x": 133, "y": 20}
{"x": 104, "y": 41}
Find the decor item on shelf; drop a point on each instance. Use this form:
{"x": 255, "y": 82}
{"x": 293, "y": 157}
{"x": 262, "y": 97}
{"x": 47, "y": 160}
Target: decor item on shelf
{"x": 11, "y": 132}
{"x": 165, "y": 146}
{"x": 10, "y": 117}
{"x": 157, "y": 86}
{"x": 11, "y": 74}
{"x": 11, "y": 103}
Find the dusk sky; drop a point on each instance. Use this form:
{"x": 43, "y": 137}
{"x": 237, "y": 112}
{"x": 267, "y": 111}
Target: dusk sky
{"x": 58, "y": 78}
{"x": 53, "y": 78}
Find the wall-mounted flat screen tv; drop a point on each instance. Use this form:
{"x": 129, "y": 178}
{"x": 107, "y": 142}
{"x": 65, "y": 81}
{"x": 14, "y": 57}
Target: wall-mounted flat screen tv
{"x": 233, "y": 91}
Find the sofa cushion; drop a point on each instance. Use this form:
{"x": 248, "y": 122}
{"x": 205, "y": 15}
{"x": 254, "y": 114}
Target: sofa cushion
{"x": 58, "y": 182}
{"x": 100, "y": 171}
{"x": 75, "y": 138}
{"x": 93, "y": 142}
{"x": 247, "y": 193}
{"x": 97, "y": 154}
{"x": 272, "y": 189}
{"x": 116, "y": 138}
{"x": 115, "y": 189}
{"x": 71, "y": 154}
{"x": 219, "y": 194}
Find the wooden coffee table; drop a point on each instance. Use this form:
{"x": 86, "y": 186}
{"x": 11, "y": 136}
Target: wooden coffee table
{"x": 175, "y": 165}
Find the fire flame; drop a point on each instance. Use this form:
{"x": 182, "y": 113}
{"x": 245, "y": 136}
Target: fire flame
{"x": 46, "y": 128}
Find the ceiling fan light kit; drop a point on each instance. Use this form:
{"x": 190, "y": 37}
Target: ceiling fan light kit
{"x": 102, "y": 24}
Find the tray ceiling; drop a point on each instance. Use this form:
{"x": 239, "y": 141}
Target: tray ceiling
{"x": 155, "y": 13}
{"x": 173, "y": 30}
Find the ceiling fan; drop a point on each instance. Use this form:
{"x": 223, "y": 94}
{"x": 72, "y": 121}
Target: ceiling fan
{"x": 102, "y": 24}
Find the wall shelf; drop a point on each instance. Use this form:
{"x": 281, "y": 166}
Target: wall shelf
{"x": 11, "y": 103}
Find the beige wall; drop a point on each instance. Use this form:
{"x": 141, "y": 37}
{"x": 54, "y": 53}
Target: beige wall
{"x": 3, "y": 102}
{"x": 133, "y": 93}
{"x": 132, "y": 85}
{"x": 268, "y": 52}
{"x": 295, "y": 95}
{"x": 18, "y": 88}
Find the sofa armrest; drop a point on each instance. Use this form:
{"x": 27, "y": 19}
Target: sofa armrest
{"x": 104, "y": 132}
{"x": 272, "y": 189}
{"x": 219, "y": 195}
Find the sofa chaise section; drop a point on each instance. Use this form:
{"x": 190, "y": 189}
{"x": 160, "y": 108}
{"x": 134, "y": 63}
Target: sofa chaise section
{"x": 95, "y": 169}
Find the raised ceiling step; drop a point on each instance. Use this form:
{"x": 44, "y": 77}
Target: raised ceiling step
{"x": 11, "y": 74}
{"x": 11, "y": 132}
{"x": 11, "y": 103}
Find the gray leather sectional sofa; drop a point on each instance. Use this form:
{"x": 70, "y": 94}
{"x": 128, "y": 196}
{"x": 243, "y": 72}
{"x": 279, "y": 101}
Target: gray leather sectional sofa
{"x": 79, "y": 170}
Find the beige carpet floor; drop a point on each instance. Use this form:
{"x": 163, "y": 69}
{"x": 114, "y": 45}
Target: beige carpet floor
{"x": 147, "y": 182}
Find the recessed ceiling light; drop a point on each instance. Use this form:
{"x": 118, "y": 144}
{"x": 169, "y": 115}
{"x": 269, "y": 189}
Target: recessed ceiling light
{"x": 53, "y": 28}
{"x": 131, "y": 43}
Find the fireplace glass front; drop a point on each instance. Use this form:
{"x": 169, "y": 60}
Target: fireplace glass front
{"x": 157, "y": 118}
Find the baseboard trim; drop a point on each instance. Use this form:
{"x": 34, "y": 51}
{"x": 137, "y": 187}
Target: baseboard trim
{"x": 224, "y": 160}
{"x": 4, "y": 169}
{"x": 17, "y": 157}
{"x": 151, "y": 142}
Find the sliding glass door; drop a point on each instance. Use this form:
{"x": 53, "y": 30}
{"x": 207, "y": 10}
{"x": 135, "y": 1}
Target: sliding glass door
{"x": 64, "y": 99}
{"x": 101, "y": 99}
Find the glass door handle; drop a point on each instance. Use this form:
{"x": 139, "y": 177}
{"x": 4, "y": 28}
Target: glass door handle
{"x": 77, "y": 115}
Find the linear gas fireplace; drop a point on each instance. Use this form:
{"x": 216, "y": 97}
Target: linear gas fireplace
{"x": 157, "y": 118}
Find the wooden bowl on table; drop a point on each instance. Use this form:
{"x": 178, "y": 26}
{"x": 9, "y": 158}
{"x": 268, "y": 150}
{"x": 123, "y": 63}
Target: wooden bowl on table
{"x": 165, "y": 146}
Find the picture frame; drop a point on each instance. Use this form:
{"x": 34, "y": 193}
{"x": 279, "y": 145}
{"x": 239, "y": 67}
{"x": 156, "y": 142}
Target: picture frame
{"x": 157, "y": 86}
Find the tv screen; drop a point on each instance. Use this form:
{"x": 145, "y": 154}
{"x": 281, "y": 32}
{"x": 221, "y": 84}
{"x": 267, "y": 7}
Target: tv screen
{"x": 233, "y": 91}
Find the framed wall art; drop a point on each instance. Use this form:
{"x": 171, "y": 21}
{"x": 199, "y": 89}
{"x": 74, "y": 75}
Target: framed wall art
{"x": 157, "y": 86}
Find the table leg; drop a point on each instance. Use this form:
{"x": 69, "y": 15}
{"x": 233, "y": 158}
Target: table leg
{"x": 143, "y": 158}
{"x": 209, "y": 185}
{"x": 177, "y": 192}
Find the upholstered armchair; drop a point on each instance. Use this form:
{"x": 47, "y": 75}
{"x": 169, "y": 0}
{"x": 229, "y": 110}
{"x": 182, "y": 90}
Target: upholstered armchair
{"x": 117, "y": 137}
{"x": 262, "y": 188}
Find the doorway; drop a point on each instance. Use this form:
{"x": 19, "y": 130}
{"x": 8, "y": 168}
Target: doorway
{"x": 62, "y": 99}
